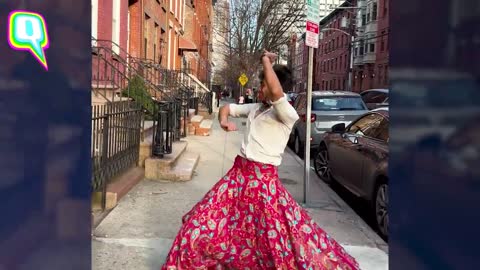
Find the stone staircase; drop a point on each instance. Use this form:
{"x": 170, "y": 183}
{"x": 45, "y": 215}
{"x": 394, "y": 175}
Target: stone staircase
{"x": 201, "y": 124}
{"x": 177, "y": 166}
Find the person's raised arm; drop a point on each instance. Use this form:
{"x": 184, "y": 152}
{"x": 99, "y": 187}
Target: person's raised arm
{"x": 284, "y": 110}
{"x": 271, "y": 79}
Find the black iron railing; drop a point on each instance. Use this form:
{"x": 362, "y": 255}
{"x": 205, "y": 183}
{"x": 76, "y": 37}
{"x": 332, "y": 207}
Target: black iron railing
{"x": 206, "y": 99}
{"x": 115, "y": 141}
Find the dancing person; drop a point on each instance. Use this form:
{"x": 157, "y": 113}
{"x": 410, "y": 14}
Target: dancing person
{"x": 248, "y": 220}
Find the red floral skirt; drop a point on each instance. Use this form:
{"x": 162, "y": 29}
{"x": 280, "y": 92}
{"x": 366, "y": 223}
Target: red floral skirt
{"x": 248, "y": 220}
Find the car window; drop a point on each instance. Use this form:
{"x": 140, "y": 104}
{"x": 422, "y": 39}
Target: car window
{"x": 367, "y": 125}
{"x": 374, "y": 97}
{"x": 338, "y": 103}
{"x": 382, "y": 131}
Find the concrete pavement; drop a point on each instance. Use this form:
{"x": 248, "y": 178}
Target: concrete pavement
{"x": 138, "y": 233}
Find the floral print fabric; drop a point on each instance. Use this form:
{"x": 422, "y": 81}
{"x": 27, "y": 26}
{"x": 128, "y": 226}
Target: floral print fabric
{"x": 248, "y": 221}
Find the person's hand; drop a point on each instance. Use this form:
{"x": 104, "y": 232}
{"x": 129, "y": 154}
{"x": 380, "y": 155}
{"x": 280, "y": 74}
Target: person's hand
{"x": 228, "y": 126}
{"x": 271, "y": 56}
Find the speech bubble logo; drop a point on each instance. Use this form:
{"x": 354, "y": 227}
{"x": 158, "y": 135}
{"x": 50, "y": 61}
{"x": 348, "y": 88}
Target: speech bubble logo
{"x": 27, "y": 31}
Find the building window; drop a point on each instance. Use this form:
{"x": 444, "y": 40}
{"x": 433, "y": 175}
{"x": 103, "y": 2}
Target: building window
{"x": 382, "y": 42}
{"x": 145, "y": 48}
{"x": 155, "y": 40}
{"x": 372, "y": 47}
{"x": 364, "y": 19}
{"x": 385, "y": 8}
{"x": 368, "y": 15}
{"x": 94, "y": 20}
{"x": 116, "y": 26}
{"x": 374, "y": 11}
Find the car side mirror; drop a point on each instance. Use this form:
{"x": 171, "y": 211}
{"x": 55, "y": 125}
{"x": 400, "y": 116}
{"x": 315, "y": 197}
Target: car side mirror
{"x": 339, "y": 128}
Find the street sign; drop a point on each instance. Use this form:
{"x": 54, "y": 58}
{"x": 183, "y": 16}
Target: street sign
{"x": 313, "y": 19}
{"x": 313, "y": 8}
{"x": 311, "y": 37}
{"x": 243, "y": 79}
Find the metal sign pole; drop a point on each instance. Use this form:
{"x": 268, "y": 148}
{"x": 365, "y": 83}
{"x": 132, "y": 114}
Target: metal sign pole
{"x": 306, "y": 183}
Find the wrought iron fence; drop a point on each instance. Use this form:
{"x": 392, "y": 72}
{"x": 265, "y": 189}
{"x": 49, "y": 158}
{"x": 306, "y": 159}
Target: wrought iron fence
{"x": 115, "y": 141}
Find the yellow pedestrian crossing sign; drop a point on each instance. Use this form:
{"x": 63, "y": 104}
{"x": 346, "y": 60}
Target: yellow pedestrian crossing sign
{"x": 243, "y": 79}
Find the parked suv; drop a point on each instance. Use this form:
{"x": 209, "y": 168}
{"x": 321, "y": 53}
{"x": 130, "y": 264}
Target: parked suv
{"x": 328, "y": 109}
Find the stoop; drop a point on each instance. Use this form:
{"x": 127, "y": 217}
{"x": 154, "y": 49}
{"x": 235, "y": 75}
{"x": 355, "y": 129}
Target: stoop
{"x": 204, "y": 128}
{"x": 177, "y": 166}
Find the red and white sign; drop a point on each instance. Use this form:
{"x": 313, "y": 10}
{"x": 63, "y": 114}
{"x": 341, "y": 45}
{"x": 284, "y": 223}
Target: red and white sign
{"x": 312, "y": 27}
{"x": 313, "y": 19}
{"x": 311, "y": 36}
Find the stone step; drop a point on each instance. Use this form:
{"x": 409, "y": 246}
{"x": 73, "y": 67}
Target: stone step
{"x": 204, "y": 128}
{"x": 156, "y": 166}
{"x": 191, "y": 129}
{"x": 183, "y": 170}
{"x": 196, "y": 120}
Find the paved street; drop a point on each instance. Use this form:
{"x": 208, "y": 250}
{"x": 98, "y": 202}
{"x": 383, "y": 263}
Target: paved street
{"x": 138, "y": 232}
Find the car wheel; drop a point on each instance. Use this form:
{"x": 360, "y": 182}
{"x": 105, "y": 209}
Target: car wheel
{"x": 380, "y": 202}
{"x": 297, "y": 146}
{"x": 322, "y": 164}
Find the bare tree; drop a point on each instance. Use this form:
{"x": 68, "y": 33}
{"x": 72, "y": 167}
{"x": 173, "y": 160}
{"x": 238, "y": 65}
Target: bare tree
{"x": 254, "y": 25}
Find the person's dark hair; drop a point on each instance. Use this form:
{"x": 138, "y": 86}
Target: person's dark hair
{"x": 284, "y": 75}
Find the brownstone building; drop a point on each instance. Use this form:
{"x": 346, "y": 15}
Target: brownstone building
{"x": 155, "y": 28}
{"x": 197, "y": 39}
{"x": 300, "y": 63}
{"x": 371, "y": 55}
{"x": 332, "y": 63}
{"x": 382, "y": 61}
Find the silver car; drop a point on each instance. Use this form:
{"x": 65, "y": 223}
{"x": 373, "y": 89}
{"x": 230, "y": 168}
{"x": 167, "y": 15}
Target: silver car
{"x": 328, "y": 109}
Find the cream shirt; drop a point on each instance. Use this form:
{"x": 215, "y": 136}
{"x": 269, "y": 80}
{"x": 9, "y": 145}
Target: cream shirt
{"x": 267, "y": 132}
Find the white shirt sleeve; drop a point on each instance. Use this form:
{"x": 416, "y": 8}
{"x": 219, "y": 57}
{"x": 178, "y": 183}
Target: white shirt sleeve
{"x": 241, "y": 110}
{"x": 285, "y": 111}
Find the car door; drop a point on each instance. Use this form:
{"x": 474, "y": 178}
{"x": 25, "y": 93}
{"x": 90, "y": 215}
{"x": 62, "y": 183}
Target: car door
{"x": 346, "y": 156}
{"x": 375, "y": 156}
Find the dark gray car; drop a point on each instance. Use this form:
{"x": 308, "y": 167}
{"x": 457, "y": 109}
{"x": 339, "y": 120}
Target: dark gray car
{"x": 328, "y": 108}
{"x": 375, "y": 98}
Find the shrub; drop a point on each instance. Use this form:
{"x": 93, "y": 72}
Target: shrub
{"x": 137, "y": 91}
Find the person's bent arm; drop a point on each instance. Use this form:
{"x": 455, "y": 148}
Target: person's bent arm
{"x": 233, "y": 110}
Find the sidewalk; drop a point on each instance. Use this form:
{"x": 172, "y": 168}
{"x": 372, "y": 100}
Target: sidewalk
{"x": 138, "y": 233}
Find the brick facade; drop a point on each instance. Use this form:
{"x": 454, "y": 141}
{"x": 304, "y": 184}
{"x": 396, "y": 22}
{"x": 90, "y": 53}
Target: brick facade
{"x": 153, "y": 36}
{"x": 381, "y": 64}
{"x": 300, "y": 65}
{"x": 371, "y": 53}
{"x": 104, "y": 22}
{"x": 332, "y": 63}
{"x": 198, "y": 29}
